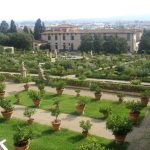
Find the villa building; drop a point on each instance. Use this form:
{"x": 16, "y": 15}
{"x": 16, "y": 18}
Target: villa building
{"x": 68, "y": 37}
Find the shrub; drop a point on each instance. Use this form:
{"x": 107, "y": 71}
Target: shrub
{"x": 85, "y": 125}
{"x": 146, "y": 93}
{"x": 2, "y": 78}
{"x": 120, "y": 125}
{"x": 29, "y": 112}
{"x": 55, "y": 111}
{"x": 105, "y": 110}
{"x": 22, "y": 134}
{"x": 59, "y": 84}
{"x": 35, "y": 95}
{"x": 135, "y": 82}
{"x": 82, "y": 101}
{"x": 95, "y": 87}
{"x": 2, "y": 87}
{"x": 134, "y": 106}
{"x": 6, "y": 105}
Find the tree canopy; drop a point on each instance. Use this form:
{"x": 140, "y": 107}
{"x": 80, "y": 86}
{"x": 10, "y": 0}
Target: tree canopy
{"x": 13, "y": 27}
{"x": 4, "y": 27}
{"x": 144, "y": 46}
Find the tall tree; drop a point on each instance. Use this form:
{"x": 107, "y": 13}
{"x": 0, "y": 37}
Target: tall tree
{"x": 98, "y": 43}
{"x": 86, "y": 43}
{"x": 13, "y": 27}
{"x": 43, "y": 27}
{"x": 4, "y": 27}
{"x": 26, "y": 30}
{"x": 37, "y": 29}
{"x": 144, "y": 46}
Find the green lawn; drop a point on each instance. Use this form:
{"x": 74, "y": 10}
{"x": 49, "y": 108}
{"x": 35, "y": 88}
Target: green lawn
{"x": 47, "y": 139}
{"x": 67, "y": 104}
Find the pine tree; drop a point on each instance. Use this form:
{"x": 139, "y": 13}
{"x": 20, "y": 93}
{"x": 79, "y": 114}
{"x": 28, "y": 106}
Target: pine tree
{"x": 4, "y": 27}
{"x": 25, "y": 29}
{"x": 37, "y": 29}
{"x": 13, "y": 27}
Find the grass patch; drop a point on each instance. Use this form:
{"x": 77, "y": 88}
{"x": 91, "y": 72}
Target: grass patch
{"x": 47, "y": 139}
{"x": 67, "y": 104}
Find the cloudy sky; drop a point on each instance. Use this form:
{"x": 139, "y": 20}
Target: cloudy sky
{"x": 70, "y": 9}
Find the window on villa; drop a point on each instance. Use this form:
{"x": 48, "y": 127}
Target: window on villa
{"x": 49, "y": 37}
{"x": 72, "y": 46}
{"x": 72, "y": 37}
{"x": 56, "y": 37}
{"x": 128, "y": 36}
{"x": 64, "y": 46}
{"x": 56, "y": 46}
{"x": 64, "y": 37}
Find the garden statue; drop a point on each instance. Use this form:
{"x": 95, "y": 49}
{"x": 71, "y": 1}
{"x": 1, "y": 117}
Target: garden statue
{"x": 41, "y": 72}
{"x": 56, "y": 53}
{"x": 23, "y": 70}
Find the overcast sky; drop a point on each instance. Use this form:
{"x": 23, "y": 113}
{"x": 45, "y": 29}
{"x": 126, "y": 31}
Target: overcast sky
{"x": 70, "y": 9}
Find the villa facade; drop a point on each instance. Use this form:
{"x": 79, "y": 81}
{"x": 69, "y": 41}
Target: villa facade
{"x": 68, "y": 37}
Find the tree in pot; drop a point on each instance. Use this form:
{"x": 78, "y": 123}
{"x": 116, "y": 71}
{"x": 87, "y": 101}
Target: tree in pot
{"x": 98, "y": 91}
{"x": 2, "y": 78}
{"x": 80, "y": 106}
{"x": 28, "y": 113}
{"x": 120, "y": 96}
{"x": 77, "y": 92}
{"x": 59, "y": 85}
{"x": 106, "y": 111}
{"x": 135, "y": 108}
{"x": 36, "y": 97}
{"x": 41, "y": 86}
{"x": 8, "y": 108}
{"x": 120, "y": 126}
{"x": 2, "y": 89}
{"x": 86, "y": 126}
{"x": 26, "y": 81}
{"x": 145, "y": 97}
{"x": 55, "y": 111}
{"x": 21, "y": 138}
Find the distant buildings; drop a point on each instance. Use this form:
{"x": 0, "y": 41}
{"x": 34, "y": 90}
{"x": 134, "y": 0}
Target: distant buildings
{"x": 68, "y": 37}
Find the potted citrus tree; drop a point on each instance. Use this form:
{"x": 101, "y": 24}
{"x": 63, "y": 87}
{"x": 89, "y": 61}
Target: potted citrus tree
{"x": 106, "y": 111}
{"x": 98, "y": 91}
{"x": 41, "y": 86}
{"x": 55, "y": 111}
{"x": 59, "y": 85}
{"x": 8, "y": 108}
{"x": 28, "y": 113}
{"x": 120, "y": 126}
{"x": 22, "y": 138}
{"x": 36, "y": 97}
{"x": 2, "y": 89}
{"x": 77, "y": 92}
{"x": 145, "y": 97}
{"x": 86, "y": 126}
{"x": 120, "y": 96}
{"x": 26, "y": 81}
{"x": 135, "y": 108}
{"x": 80, "y": 106}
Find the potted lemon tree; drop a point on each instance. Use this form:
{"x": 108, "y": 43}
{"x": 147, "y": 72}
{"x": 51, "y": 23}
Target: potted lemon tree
{"x": 120, "y": 126}
{"x": 28, "y": 113}
{"x": 36, "y": 97}
{"x": 97, "y": 89}
{"x": 8, "y": 108}
{"x": 22, "y": 138}
{"x": 86, "y": 126}
{"x": 135, "y": 108}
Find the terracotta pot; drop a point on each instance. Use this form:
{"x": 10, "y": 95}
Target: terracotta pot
{"x": 144, "y": 100}
{"x": 120, "y": 139}
{"x": 2, "y": 94}
{"x": 56, "y": 124}
{"x": 6, "y": 115}
{"x": 23, "y": 146}
{"x": 98, "y": 96}
{"x": 85, "y": 133}
{"x": 26, "y": 87}
{"x": 30, "y": 120}
{"x": 80, "y": 108}
{"x": 134, "y": 116}
{"x": 36, "y": 102}
{"x": 59, "y": 91}
{"x": 120, "y": 99}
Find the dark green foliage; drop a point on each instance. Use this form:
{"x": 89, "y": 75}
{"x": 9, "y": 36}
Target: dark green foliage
{"x": 38, "y": 29}
{"x": 4, "y": 27}
{"x": 13, "y": 27}
{"x": 120, "y": 125}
